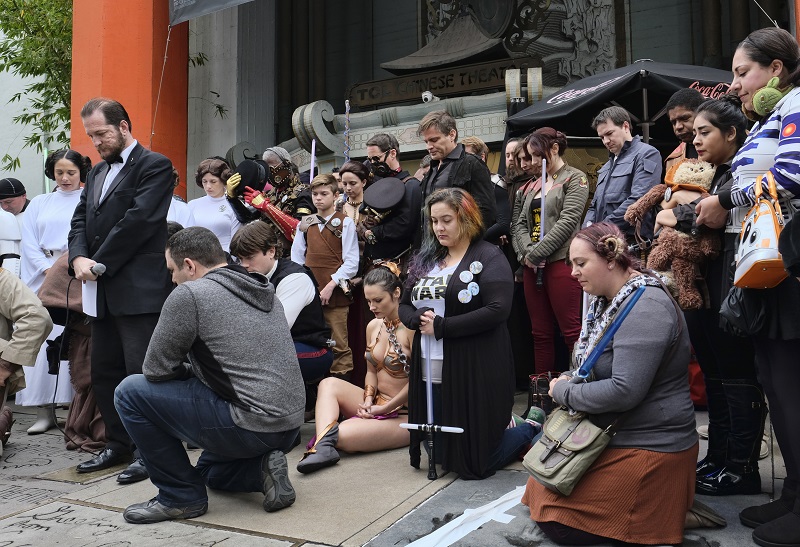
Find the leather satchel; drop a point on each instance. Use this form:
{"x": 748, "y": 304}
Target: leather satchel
{"x": 569, "y": 445}
{"x": 758, "y": 262}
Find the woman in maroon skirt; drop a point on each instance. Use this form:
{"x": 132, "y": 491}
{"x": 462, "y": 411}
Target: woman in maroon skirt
{"x": 641, "y": 487}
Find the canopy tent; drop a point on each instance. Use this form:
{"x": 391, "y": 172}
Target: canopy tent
{"x": 183, "y": 10}
{"x": 642, "y": 88}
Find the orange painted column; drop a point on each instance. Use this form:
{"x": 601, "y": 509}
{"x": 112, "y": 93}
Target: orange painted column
{"x": 797, "y": 20}
{"x": 118, "y": 52}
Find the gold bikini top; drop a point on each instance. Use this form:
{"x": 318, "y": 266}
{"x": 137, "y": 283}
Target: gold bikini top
{"x": 395, "y": 362}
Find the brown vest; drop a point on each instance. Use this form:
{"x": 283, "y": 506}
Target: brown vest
{"x": 324, "y": 257}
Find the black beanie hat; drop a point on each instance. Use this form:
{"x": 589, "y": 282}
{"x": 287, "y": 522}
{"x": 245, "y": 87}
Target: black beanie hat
{"x": 11, "y": 188}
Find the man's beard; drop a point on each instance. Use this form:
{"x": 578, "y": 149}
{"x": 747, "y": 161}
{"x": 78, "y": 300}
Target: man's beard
{"x": 512, "y": 172}
{"x": 119, "y": 146}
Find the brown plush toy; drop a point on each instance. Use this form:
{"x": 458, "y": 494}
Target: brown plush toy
{"x": 675, "y": 250}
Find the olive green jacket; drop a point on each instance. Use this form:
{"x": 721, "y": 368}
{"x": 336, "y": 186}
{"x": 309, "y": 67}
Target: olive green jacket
{"x": 564, "y": 206}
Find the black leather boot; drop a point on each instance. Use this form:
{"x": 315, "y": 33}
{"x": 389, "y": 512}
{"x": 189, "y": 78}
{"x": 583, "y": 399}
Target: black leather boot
{"x": 719, "y": 425}
{"x": 761, "y": 514}
{"x": 747, "y": 411}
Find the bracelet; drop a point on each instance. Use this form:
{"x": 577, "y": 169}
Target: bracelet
{"x": 369, "y": 391}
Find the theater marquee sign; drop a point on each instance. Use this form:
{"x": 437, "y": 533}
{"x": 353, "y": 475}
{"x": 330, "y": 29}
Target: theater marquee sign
{"x": 454, "y": 81}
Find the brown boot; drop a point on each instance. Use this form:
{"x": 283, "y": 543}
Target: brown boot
{"x": 6, "y": 421}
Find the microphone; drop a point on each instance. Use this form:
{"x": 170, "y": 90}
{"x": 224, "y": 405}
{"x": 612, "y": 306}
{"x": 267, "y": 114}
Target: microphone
{"x": 98, "y": 269}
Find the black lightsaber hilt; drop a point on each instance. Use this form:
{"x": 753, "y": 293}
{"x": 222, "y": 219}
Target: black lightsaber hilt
{"x": 432, "y": 476}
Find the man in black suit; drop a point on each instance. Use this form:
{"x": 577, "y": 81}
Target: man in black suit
{"x": 121, "y": 222}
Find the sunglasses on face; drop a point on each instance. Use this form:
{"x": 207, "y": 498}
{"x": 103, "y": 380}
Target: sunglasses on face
{"x": 378, "y": 159}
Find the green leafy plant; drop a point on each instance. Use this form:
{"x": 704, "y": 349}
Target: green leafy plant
{"x": 37, "y": 44}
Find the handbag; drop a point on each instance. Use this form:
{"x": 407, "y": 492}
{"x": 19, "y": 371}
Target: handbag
{"x": 538, "y": 392}
{"x": 742, "y": 312}
{"x": 570, "y": 442}
{"x": 758, "y": 261}
{"x": 569, "y": 445}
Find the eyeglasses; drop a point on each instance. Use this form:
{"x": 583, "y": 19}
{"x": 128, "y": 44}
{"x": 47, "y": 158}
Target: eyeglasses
{"x": 378, "y": 159}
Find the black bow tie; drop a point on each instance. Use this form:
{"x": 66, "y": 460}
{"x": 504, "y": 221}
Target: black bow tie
{"x": 114, "y": 159}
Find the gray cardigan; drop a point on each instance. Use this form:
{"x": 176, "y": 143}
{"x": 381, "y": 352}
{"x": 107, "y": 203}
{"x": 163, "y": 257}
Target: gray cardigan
{"x": 643, "y": 373}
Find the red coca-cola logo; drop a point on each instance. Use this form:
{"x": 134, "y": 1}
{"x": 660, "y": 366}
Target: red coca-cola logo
{"x": 712, "y": 91}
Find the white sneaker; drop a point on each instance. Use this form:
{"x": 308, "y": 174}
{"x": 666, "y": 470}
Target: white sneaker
{"x": 764, "y": 447}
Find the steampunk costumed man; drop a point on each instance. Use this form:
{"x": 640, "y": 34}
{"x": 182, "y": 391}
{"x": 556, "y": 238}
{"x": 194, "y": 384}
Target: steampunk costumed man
{"x": 271, "y": 189}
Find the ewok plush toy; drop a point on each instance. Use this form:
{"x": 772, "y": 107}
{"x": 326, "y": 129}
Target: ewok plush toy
{"x": 674, "y": 250}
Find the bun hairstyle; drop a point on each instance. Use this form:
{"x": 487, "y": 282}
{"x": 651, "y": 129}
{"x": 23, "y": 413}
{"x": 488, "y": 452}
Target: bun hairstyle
{"x": 725, "y": 114}
{"x": 212, "y": 166}
{"x": 609, "y": 242}
{"x": 386, "y": 275}
{"x": 543, "y": 139}
{"x": 80, "y": 161}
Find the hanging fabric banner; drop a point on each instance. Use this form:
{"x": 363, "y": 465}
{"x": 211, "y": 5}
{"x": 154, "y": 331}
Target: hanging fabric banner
{"x": 183, "y": 10}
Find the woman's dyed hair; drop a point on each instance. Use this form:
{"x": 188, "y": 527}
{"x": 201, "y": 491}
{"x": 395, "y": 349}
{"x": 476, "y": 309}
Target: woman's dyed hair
{"x": 470, "y": 226}
{"x": 543, "y": 139}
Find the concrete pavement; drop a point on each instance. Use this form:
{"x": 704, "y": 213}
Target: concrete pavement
{"x": 376, "y": 500}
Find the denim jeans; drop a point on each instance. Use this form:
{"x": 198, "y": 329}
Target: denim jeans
{"x": 514, "y": 440}
{"x": 159, "y": 415}
{"x": 315, "y": 363}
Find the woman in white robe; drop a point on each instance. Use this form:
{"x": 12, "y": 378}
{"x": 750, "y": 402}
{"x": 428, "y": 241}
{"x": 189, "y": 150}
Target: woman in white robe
{"x": 44, "y": 238}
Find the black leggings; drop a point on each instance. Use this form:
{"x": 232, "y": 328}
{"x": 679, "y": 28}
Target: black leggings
{"x": 720, "y": 355}
{"x": 777, "y": 362}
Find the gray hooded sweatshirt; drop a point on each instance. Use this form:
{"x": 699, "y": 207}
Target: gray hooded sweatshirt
{"x": 235, "y": 334}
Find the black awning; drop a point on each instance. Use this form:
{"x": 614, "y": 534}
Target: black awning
{"x": 642, "y": 88}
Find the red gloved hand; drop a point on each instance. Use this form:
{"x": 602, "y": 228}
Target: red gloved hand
{"x": 255, "y": 198}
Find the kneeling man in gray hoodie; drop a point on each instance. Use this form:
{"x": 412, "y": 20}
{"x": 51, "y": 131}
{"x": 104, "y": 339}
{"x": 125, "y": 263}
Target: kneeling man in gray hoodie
{"x": 203, "y": 383}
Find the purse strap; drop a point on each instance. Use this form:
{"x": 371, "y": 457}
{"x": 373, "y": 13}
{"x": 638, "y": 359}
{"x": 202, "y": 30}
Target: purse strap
{"x": 773, "y": 192}
{"x": 773, "y": 187}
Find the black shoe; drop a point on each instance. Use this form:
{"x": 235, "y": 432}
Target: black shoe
{"x": 781, "y": 532}
{"x": 757, "y": 515}
{"x": 278, "y": 491}
{"x": 107, "y": 458}
{"x": 135, "y": 472}
{"x": 153, "y": 511}
{"x": 706, "y": 467}
{"x": 728, "y": 483}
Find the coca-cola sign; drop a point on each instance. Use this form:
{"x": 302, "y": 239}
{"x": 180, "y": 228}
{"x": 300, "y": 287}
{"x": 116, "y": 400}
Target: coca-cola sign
{"x": 712, "y": 91}
{"x": 572, "y": 94}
